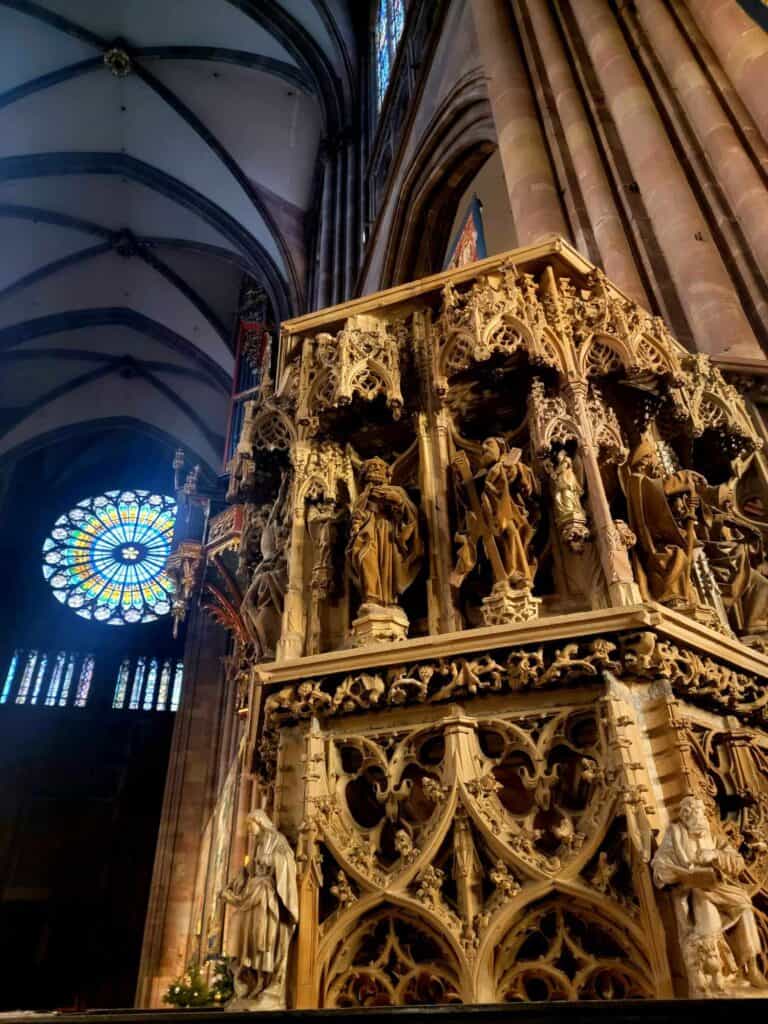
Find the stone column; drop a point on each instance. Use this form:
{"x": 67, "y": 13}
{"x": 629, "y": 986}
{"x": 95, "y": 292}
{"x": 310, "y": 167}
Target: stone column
{"x": 705, "y": 289}
{"x": 533, "y": 192}
{"x": 742, "y": 48}
{"x": 617, "y": 258}
{"x": 294, "y": 609}
{"x": 432, "y": 429}
{"x": 325, "y": 229}
{"x": 614, "y": 560}
{"x": 735, "y": 171}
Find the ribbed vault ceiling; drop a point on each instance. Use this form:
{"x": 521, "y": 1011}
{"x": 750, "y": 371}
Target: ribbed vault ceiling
{"x": 132, "y": 206}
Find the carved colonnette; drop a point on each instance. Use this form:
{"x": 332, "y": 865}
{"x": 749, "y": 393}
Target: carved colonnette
{"x": 498, "y": 610}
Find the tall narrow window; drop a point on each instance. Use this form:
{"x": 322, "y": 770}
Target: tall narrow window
{"x": 56, "y": 676}
{"x": 84, "y": 682}
{"x": 389, "y": 28}
{"x": 121, "y": 686}
{"x": 68, "y": 677}
{"x": 39, "y": 679}
{"x": 149, "y": 689}
{"x": 26, "y": 679}
{"x": 165, "y": 685}
{"x": 10, "y": 677}
{"x": 138, "y": 683}
{"x": 177, "y": 681}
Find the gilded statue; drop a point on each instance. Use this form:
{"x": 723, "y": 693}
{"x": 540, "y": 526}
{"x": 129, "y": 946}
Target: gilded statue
{"x": 567, "y": 508}
{"x": 264, "y": 910}
{"x": 714, "y": 912}
{"x": 502, "y": 511}
{"x": 663, "y": 514}
{"x": 385, "y": 547}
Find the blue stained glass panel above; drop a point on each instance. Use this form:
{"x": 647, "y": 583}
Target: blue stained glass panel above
{"x": 390, "y": 19}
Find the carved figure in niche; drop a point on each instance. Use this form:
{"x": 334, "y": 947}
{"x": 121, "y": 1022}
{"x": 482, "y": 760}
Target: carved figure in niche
{"x": 663, "y": 514}
{"x": 501, "y": 510}
{"x": 736, "y": 555}
{"x": 567, "y": 493}
{"x": 385, "y": 547}
{"x": 265, "y": 906}
{"x": 714, "y": 913}
{"x": 262, "y": 605}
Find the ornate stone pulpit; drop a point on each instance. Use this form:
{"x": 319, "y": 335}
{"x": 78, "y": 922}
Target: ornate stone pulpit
{"x": 504, "y": 687}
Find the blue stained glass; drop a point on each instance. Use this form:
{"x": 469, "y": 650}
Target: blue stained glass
{"x": 390, "y": 19}
{"x": 398, "y": 18}
{"x": 10, "y": 677}
{"x": 106, "y": 558}
{"x": 68, "y": 676}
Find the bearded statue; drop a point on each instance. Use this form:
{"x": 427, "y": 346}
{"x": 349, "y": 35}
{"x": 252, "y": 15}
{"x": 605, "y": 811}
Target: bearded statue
{"x": 718, "y": 934}
{"x": 385, "y": 547}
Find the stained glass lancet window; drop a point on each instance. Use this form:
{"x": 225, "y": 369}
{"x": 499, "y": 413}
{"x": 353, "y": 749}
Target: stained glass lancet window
{"x": 26, "y": 679}
{"x": 165, "y": 683}
{"x": 56, "y": 677}
{"x": 138, "y": 683}
{"x": 67, "y": 681}
{"x": 105, "y": 558}
{"x": 39, "y": 679}
{"x": 177, "y": 681}
{"x": 389, "y": 28}
{"x": 84, "y": 682}
{"x": 11, "y": 675}
{"x": 121, "y": 687}
{"x": 149, "y": 689}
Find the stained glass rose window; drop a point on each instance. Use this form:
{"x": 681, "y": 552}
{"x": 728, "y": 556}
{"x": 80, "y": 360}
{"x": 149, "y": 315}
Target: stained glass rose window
{"x": 105, "y": 559}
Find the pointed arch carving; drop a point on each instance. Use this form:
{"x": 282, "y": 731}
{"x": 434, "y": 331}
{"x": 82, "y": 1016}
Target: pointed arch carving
{"x": 563, "y": 948}
{"x": 390, "y": 957}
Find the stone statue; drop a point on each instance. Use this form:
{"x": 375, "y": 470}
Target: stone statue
{"x": 265, "y": 908}
{"x": 502, "y": 512}
{"x": 262, "y": 604}
{"x": 714, "y": 913}
{"x": 567, "y": 509}
{"x": 385, "y": 547}
{"x": 663, "y": 515}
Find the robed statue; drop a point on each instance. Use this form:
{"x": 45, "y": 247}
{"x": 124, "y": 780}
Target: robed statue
{"x": 735, "y": 550}
{"x": 502, "y": 511}
{"x": 262, "y": 605}
{"x": 715, "y": 919}
{"x": 663, "y": 515}
{"x": 265, "y": 907}
{"x": 567, "y": 508}
{"x": 385, "y": 547}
